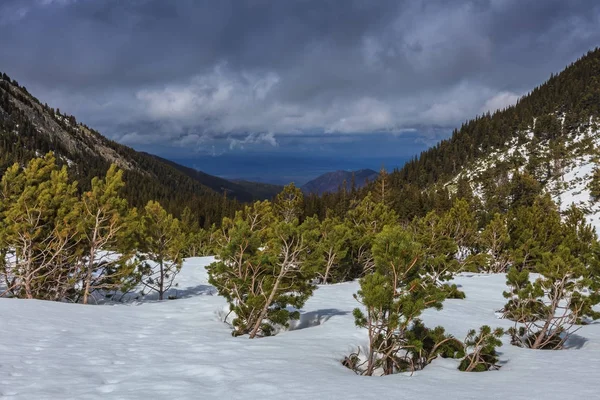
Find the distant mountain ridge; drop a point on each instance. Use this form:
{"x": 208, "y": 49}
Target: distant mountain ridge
{"x": 333, "y": 181}
{"x": 243, "y": 191}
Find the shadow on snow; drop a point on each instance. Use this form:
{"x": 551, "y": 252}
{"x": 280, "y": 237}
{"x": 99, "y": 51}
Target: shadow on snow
{"x": 315, "y": 318}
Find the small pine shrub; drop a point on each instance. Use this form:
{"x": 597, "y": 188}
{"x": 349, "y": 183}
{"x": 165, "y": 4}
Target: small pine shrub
{"x": 482, "y": 347}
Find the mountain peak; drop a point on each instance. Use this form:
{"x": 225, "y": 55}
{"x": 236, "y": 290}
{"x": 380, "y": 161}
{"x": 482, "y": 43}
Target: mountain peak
{"x": 333, "y": 181}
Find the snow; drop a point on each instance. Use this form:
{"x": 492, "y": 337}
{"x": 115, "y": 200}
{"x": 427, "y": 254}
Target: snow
{"x": 180, "y": 349}
{"x": 569, "y": 186}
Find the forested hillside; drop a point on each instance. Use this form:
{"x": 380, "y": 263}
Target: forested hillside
{"x": 573, "y": 96}
{"x": 242, "y": 191}
{"x": 29, "y": 128}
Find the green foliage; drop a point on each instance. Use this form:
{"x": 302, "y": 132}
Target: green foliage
{"x": 39, "y": 211}
{"x": 547, "y": 308}
{"x": 198, "y": 241}
{"x": 524, "y": 190}
{"x": 448, "y": 242}
{"x": 534, "y": 231}
{"x": 439, "y": 247}
{"x": 333, "y": 243}
{"x": 289, "y": 203}
{"x": 482, "y": 347}
{"x": 162, "y": 243}
{"x": 263, "y": 266}
{"x": 393, "y": 297}
{"x": 493, "y": 242}
{"x": 594, "y": 185}
{"x": 365, "y": 221}
{"x": 107, "y": 227}
{"x": 59, "y": 245}
{"x": 430, "y": 343}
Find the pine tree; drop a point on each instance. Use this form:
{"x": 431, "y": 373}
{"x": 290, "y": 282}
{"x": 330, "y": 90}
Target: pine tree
{"x": 382, "y": 188}
{"x": 365, "y": 221}
{"x": 39, "y": 211}
{"x": 106, "y": 229}
{"x": 289, "y": 203}
{"x": 291, "y": 273}
{"x": 237, "y": 273}
{"x": 162, "y": 244}
{"x": 333, "y": 245}
{"x": 533, "y": 231}
{"x": 439, "y": 247}
{"x": 464, "y": 190}
{"x": 494, "y": 243}
{"x": 483, "y": 355}
{"x": 263, "y": 267}
{"x": 594, "y": 185}
{"x": 524, "y": 189}
{"x": 460, "y": 224}
{"x": 547, "y": 309}
{"x": 197, "y": 240}
{"x": 393, "y": 297}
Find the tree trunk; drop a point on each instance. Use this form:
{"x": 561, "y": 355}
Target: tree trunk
{"x": 371, "y": 361}
{"x": 88, "y": 282}
{"x": 329, "y": 265}
{"x": 28, "y": 276}
{"x": 161, "y": 281}
{"x": 88, "y": 275}
{"x": 263, "y": 313}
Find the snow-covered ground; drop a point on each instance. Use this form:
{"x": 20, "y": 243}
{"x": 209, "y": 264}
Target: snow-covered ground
{"x": 180, "y": 349}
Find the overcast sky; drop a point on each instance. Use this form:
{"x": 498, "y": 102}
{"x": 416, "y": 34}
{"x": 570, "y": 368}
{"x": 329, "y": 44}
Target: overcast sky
{"x": 209, "y": 77}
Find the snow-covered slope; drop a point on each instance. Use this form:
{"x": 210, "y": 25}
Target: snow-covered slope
{"x": 570, "y": 180}
{"x": 180, "y": 349}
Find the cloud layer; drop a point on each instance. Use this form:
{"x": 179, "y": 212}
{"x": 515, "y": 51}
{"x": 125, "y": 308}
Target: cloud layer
{"x": 243, "y": 73}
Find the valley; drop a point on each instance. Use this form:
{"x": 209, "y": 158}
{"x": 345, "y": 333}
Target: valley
{"x": 283, "y": 200}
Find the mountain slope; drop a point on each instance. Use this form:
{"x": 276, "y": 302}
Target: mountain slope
{"x": 243, "y": 191}
{"x": 573, "y": 94}
{"x": 29, "y": 128}
{"x": 331, "y": 181}
{"x": 551, "y": 135}
{"x": 259, "y": 190}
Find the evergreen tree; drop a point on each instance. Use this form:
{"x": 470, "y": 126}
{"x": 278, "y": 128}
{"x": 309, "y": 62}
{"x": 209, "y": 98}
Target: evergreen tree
{"x": 594, "y": 185}
{"x": 483, "y": 355}
{"x": 365, "y": 221}
{"x": 393, "y": 297}
{"x": 464, "y": 190}
{"x": 439, "y": 247}
{"x": 494, "y": 242}
{"x": 39, "y": 211}
{"x": 162, "y": 243}
{"x": 382, "y": 188}
{"x": 106, "y": 226}
{"x": 460, "y": 224}
{"x": 333, "y": 246}
{"x": 546, "y": 309}
{"x": 533, "y": 231}
{"x": 289, "y": 203}
{"x": 263, "y": 267}
{"x": 524, "y": 189}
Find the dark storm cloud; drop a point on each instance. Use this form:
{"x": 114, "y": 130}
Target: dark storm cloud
{"x": 192, "y": 72}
